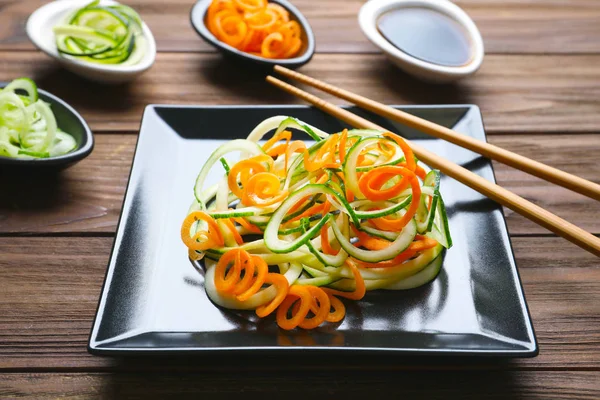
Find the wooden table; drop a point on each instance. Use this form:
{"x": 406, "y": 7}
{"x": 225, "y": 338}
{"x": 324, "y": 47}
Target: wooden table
{"x": 539, "y": 91}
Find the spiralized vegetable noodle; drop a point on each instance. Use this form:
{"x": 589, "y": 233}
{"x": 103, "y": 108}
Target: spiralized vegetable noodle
{"x": 294, "y": 226}
{"x": 255, "y": 27}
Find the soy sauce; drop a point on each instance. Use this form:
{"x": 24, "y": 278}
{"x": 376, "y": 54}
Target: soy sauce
{"x": 427, "y": 34}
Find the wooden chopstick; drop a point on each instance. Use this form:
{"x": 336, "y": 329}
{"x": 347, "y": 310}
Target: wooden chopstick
{"x": 499, "y": 154}
{"x": 497, "y": 193}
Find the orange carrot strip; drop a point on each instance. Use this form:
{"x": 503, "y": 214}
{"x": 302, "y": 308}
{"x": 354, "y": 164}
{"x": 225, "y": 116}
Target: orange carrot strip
{"x": 321, "y": 303}
{"x": 262, "y": 189}
{"x": 214, "y": 8}
{"x": 262, "y": 270}
{"x": 262, "y": 19}
{"x": 282, "y": 286}
{"x": 282, "y": 14}
{"x": 370, "y": 183}
{"x": 293, "y": 48}
{"x": 397, "y": 224}
{"x": 322, "y": 179}
{"x": 299, "y": 204}
{"x": 294, "y": 27}
{"x": 250, "y": 5}
{"x": 214, "y": 235}
{"x": 230, "y": 29}
{"x": 283, "y": 135}
{"x": 325, "y": 245}
{"x": 342, "y": 146}
{"x": 277, "y": 150}
{"x": 370, "y": 242}
{"x": 272, "y": 45}
{"x": 247, "y": 225}
{"x": 295, "y": 293}
{"x": 420, "y": 172}
{"x": 247, "y": 265}
{"x": 339, "y": 310}
{"x": 312, "y": 210}
{"x": 408, "y": 153}
{"x": 236, "y": 234}
{"x": 247, "y": 167}
{"x": 225, "y": 281}
{"x": 360, "y": 290}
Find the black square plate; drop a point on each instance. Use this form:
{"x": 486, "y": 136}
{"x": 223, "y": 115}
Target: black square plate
{"x": 153, "y": 299}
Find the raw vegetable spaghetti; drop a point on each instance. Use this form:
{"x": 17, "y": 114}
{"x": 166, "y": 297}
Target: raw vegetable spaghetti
{"x": 28, "y": 128}
{"x": 293, "y": 226}
{"x": 256, "y": 27}
{"x": 100, "y": 34}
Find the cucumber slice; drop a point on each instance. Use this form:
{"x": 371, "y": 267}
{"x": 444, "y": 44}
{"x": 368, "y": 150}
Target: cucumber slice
{"x": 313, "y": 272}
{"x": 401, "y": 243}
{"x": 26, "y": 85}
{"x": 241, "y": 145}
{"x": 429, "y": 273}
{"x": 440, "y": 230}
{"x": 319, "y": 281}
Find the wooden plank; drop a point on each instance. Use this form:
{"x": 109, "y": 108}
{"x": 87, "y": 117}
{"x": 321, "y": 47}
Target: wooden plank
{"x": 84, "y": 198}
{"x": 413, "y": 385}
{"x": 516, "y": 26}
{"x": 49, "y": 289}
{"x": 88, "y": 196}
{"x": 515, "y": 93}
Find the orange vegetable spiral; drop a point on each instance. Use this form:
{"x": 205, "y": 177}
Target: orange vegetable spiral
{"x": 256, "y": 27}
{"x": 385, "y": 171}
{"x": 241, "y": 274}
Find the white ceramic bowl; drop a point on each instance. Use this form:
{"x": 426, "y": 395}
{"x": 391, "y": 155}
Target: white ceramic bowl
{"x": 39, "y": 29}
{"x": 372, "y": 10}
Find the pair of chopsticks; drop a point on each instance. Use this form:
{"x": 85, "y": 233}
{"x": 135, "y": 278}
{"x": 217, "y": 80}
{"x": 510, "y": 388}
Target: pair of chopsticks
{"x": 497, "y": 193}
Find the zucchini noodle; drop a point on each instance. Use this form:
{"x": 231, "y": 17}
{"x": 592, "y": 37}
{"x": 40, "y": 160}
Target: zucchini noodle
{"x": 28, "y": 128}
{"x": 102, "y": 35}
{"x": 293, "y": 226}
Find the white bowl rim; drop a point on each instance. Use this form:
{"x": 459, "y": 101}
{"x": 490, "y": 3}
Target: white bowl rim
{"x": 370, "y": 12}
{"x": 37, "y": 20}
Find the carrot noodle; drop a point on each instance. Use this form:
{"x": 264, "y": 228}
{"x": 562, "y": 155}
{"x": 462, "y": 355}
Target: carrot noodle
{"x": 256, "y": 27}
{"x": 305, "y": 225}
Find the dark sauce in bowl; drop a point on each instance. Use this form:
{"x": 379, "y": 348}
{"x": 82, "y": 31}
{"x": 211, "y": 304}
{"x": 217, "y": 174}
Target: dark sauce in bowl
{"x": 427, "y": 35}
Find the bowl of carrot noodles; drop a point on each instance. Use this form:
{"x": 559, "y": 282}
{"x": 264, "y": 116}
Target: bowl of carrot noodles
{"x": 261, "y": 32}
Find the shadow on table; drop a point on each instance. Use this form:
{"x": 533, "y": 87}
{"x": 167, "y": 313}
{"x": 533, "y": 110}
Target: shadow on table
{"x": 247, "y": 84}
{"x": 33, "y": 199}
{"x": 415, "y": 91}
{"x": 84, "y": 94}
{"x": 34, "y": 193}
{"x": 297, "y": 377}
{"x": 243, "y": 82}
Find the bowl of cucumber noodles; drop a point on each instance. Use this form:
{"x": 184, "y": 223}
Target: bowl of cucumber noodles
{"x": 101, "y": 40}
{"x": 37, "y": 129}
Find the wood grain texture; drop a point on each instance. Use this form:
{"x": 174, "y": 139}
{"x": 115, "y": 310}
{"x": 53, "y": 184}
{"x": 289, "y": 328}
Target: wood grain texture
{"x": 412, "y": 385}
{"x": 49, "y": 289}
{"x": 84, "y": 198}
{"x": 508, "y": 199}
{"x": 515, "y": 93}
{"x": 448, "y": 134}
{"x": 515, "y": 26}
{"x": 88, "y": 197}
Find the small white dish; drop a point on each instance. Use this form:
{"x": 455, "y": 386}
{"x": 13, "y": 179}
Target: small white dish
{"x": 428, "y": 71}
{"x": 40, "y": 31}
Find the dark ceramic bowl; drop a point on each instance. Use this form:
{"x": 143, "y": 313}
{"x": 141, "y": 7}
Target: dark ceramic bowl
{"x": 198, "y": 18}
{"x": 69, "y": 121}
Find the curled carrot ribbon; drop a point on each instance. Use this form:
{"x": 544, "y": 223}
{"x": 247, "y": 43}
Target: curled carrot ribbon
{"x": 256, "y": 27}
